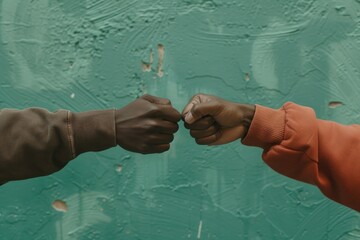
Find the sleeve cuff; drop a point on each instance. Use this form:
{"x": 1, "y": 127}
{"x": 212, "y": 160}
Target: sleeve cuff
{"x": 267, "y": 127}
{"x": 93, "y": 131}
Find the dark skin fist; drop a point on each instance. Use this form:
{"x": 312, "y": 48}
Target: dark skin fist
{"x": 215, "y": 121}
{"x": 147, "y": 125}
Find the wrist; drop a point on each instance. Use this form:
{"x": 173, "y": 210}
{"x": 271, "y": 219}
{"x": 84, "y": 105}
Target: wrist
{"x": 94, "y": 131}
{"x": 248, "y": 112}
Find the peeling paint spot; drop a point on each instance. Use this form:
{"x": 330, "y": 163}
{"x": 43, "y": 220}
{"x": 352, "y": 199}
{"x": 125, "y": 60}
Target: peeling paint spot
{"x": 146, "y": 66}
{"x": 60, "y": 206}
{"x": 119, "y": 168}
{"x": 161, "y": 53}
{"x": 72, "y": 95}
{"x": 247, "y": 77}
{"x": 335, "y": 104}
{"x": 71, "y": 64}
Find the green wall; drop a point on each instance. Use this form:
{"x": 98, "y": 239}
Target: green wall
{"x": 96, "y": 54}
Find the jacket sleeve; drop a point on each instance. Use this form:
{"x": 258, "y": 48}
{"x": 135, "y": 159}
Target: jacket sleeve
{"x": 300, "y": 146}
{"x": 35, "y": 142}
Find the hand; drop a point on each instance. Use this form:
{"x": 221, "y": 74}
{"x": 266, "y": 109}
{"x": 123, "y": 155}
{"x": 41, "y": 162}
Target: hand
{"x": 147, "y": 125}
{"x": 214, "y": 121}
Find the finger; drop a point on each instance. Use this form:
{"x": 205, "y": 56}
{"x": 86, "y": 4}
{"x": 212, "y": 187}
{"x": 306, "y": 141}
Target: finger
{"x": 156, "y": 100}
{"x": 187, "y": 108}
{"x": 166, "y": 127}
{"x": 159, "y": 139}
{"x": 209, "y": 140}
{"x": 169, "y": 113}
{"x": 198, "y": 134}
{"x": 201, "y": 124}
{"x": 229, "y": 135}
{"x": 159, "y": 148}
{"x": 196, "y": 99}
{"x": 200, "y": 110}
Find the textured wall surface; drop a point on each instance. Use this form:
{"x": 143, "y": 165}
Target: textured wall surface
{"x": 98, "y": 54}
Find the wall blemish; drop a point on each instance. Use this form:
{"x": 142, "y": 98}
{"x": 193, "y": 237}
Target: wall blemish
{"x": 119, "y": 168}
{"x": 199, "y": 229}
{"x": 60, "y": 206}
{"x": 247, "y": 77}
{"x": 161, "y": 54}
{"x": 335, "y": 104}
{"x": 146, "y": 66}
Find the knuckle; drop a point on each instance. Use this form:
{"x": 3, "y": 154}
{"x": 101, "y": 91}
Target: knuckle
{"x": 166, "y": 101}
{"x": 187, "y": 126}
{"x": 204, "y": 125}
{"x": 144, "y": 148}
{"x": 162, "y": 148}
{"x": 152, "y": 125}
{"x": 166, "y": 147}
{"x": 152, "y": 138}
{"x": 193, "y": 133}
{"x": 175, "y": 128}
{"x": 155, "y": 110}
{"x": 212, "y": 130}
{"x": 199, "y": 141}
{"x": 217, "y": 135}
{"x": 210, "y": 121}
{"x": 146, "y": 97}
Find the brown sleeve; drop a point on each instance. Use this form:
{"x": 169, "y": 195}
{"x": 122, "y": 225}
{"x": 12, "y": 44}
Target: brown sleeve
{"x": 35, "y": 142}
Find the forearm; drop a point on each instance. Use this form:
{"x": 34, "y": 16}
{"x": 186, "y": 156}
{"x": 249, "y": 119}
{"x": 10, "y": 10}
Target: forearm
{"x": 302, "y": 147}
{"x": 35, "y": 142}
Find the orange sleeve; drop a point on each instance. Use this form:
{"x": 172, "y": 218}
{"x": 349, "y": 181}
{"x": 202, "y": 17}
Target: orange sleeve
{"x": 300, "y": 146}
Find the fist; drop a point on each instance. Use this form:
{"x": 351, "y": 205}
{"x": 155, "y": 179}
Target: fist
{"x": 147, "y": 125}
{"x": 214, "y": 121}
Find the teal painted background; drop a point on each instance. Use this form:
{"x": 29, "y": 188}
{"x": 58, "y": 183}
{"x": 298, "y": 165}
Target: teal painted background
{"x": 97, "y": 54}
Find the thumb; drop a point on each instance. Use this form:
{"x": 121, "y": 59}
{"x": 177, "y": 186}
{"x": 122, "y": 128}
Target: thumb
{"x": 201, "y": 110}
{"x": 156, "y": 100}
